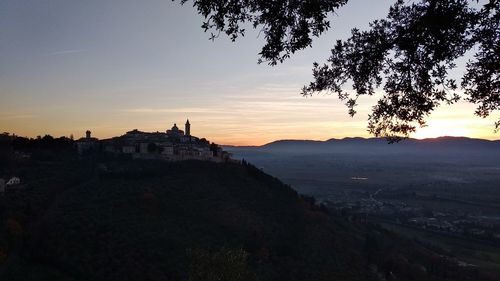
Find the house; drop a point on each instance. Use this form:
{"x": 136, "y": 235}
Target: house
{"x": 13, "y": 181}
{"x": 14, "y": 184}
{"x": 128, "y": 149}
{"x": 87, "y": 144}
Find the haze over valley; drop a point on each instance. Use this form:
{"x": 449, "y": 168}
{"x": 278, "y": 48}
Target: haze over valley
{"x": 322, "y": 168}
{"x": 447, "y": 185}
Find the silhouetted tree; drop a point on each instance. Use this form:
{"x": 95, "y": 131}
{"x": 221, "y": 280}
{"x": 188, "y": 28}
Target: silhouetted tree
{"x": 214, "y": 148}
{"x": 46, "y": 142}
{"x": 409, "y": 53}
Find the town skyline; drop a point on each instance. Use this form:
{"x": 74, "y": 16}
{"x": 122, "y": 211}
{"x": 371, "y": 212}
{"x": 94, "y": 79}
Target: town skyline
{"x": 86, "y": 134}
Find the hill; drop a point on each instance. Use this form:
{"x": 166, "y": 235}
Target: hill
{"x": 408, "y": 144}
{"x": 112, "y": 219}
{"x": 447, "y": 149}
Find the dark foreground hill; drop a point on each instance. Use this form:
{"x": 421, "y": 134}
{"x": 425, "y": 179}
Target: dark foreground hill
{"x": 135, "y": 220}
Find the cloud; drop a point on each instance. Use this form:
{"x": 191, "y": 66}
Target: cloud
{"x": 66, "y": 52}
{"x": 150, "y": 110}
{"x": 14, "y": 116}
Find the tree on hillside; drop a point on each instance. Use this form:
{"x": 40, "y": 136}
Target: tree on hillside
{"x": 408, "y": 54}
{"x": 224, "y": 265}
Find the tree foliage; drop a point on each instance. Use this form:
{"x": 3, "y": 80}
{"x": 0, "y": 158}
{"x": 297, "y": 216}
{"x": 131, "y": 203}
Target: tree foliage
{"x": 287, "y": 26}
{"x": 224, "y": 265}
{"x": 409, "y": 54}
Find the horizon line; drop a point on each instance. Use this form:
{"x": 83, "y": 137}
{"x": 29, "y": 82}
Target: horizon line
{"x": 289, "y": 139}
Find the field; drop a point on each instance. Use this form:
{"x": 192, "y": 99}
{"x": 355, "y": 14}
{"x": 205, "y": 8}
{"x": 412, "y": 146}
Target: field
{"x": 465, "y": 250}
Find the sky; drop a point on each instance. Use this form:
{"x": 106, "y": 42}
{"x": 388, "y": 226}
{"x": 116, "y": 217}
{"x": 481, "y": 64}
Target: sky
{"x": 111, "y": 66}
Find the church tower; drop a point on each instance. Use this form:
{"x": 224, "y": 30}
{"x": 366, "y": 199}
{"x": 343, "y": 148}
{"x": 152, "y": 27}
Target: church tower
{"x": 188, "y": 128}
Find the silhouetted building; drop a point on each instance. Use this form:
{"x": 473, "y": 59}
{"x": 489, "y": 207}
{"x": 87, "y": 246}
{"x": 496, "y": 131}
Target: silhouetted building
{"x": 14, "y": 181}
{"x": 175, "y": 132}
{"x": 88, "y": 143}
{"x": 188, "y": 128}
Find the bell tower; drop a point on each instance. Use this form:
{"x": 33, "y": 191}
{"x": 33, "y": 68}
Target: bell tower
{"x": 188, "y": 128}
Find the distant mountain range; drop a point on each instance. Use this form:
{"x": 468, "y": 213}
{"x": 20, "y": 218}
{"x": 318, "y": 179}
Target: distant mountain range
{"x": 442, "y": 142}
{"x": 449, "y": 149}
{"x": 360, "y": 140}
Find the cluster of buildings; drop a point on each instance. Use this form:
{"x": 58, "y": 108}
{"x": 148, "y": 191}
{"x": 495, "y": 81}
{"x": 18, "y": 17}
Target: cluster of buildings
{"x": 173, "y": 144}
{"x": 478, "y": 222}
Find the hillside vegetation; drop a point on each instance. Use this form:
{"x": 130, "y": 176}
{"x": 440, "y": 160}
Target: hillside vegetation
{"x": 112, "y": 219}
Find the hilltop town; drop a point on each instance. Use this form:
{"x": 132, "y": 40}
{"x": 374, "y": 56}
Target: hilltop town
{"x": 172, "y": 145}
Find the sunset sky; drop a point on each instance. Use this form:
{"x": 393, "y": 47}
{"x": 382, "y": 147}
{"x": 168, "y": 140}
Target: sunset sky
{"x": 111, "y": 66}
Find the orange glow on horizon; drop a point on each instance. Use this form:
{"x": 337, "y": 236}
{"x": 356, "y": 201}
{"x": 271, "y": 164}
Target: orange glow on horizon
{"x": 436, "y": 128}
{"x": 434, "y": 132}
{"x": 447, "y": 127}
{"x": 245, "y": 122}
